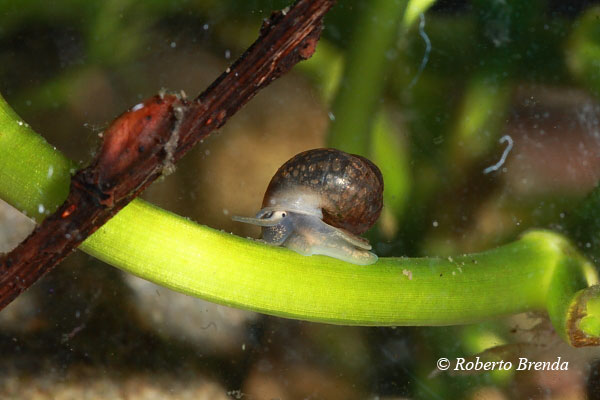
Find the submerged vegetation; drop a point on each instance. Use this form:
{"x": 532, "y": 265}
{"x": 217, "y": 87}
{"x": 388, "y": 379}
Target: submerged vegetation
{"x": 483, "y": 118}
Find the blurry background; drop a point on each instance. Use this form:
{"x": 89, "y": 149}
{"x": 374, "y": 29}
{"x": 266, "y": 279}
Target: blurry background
{"x": 427, "y": 97}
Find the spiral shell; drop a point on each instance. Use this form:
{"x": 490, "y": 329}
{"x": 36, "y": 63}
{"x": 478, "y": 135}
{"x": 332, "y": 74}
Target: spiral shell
{"x": 319, "y": 201}
{"x": 349, "y": 187}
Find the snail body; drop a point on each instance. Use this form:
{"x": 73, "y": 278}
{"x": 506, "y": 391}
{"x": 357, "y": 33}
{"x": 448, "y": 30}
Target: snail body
{"x": 319, "y": 201}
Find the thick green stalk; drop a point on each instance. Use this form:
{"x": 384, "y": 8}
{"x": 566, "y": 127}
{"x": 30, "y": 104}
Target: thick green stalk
{"x": 34, "y": 176}
{"x": 227, "y": 269}
{"x": 539, "y": 271}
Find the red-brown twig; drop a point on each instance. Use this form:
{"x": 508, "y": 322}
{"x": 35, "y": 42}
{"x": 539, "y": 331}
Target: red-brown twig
{"x": 146, "y": 140}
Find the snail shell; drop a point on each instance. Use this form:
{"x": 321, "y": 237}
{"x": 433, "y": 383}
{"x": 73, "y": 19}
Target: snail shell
{"x": 319, "y": 201}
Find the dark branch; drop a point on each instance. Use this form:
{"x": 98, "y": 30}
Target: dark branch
{"x": 145, "y": 141}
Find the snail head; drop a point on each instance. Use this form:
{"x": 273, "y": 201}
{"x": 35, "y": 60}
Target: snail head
{"x": 277, "y": 224}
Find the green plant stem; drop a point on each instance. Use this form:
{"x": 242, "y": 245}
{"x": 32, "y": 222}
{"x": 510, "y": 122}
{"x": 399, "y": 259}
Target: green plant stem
{"x": 34, "y": 176}
{"x": 539, "y": 271}
{"x": 358, "y": 97}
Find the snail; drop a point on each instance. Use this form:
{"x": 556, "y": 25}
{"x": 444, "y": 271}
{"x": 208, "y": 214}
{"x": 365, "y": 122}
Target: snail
{"x": 319, "y": 201}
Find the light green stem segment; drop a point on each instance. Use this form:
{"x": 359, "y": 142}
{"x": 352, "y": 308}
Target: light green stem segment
{"x": 34, "y": 177}
{"x": 396, "y": 291}
{"x": 539, "y": 271}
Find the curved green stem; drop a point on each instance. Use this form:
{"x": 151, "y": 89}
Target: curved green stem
{"x": 539, "y": 271}
{"x": 227, "y": 269}
{"x": 34, "y": 177}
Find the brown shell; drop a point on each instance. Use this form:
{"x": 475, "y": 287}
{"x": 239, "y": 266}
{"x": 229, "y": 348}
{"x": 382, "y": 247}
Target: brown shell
{"x": 352, "y": 203}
